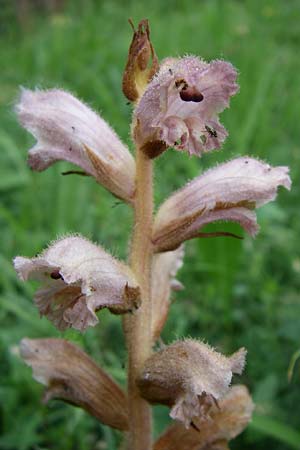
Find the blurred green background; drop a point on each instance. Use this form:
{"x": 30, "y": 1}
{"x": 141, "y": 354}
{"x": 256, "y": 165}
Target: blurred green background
{"x": 237, "y": 293}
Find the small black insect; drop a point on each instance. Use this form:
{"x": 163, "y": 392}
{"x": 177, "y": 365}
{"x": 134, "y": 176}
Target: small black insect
{"x": 211, "y": 131}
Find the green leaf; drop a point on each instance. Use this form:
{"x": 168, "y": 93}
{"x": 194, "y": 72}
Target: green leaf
{"x": 277, "y": 430}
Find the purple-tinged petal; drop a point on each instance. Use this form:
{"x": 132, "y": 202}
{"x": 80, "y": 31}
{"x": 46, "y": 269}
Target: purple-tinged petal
{"x": 65, "y": 128}
{"x": 204, "y": 136}
{"x": 79, "y": 278}
{"x": 228, "y": 192}
{"x": 186, "y": 89}
{"x": 174, "y": 132}
{"x": 70, "y": 374}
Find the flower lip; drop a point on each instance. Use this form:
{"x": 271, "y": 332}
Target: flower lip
{"x": 230, "y": 192}
{"x": 226, "y": 422}
{"x": 187, "y": 88}
{"x": 79, "y": 278}
{"x": 64, "y": 128}
{"x": 190, "y": 377}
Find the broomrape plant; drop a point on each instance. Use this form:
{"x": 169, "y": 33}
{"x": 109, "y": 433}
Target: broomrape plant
{"x": 176, "y": 104}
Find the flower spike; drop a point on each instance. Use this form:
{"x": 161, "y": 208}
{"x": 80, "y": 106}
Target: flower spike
{"x": 227, "y": 192}
{"x": 180, "y": 106}
{"x": 66, "y": 129}
{"x": 79, "y": 278}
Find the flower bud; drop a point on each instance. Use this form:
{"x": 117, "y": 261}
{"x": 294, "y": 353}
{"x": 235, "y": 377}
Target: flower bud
{"x": 226, "y": 422}
{"x": 142, "y": 62}
{"x": 189, "y": 376}
{"x": 79, "y": 278}
{"x": 228, "y": 192}
{"x": 66, "y": 129}
{"x": 164, "y": 269}
{"x": 70, "y": 375}
{"x": 181, "y": 104}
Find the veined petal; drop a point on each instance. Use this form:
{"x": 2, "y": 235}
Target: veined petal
{"x": 164, "y": 269}
{"x": 228, "y": 192}
{"x": 65, "y": 128}
{"x": 78, "y": 278}
{"x": 193, "y": 92}
{"x": 189, "y": 376}
{"x": 225, "y": 423}
{"x": 71, "y": 375}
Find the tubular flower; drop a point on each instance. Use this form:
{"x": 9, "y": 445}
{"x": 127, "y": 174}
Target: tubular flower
{"x": 226, "y": 422}
{"x": 70, "y": 374}
{"x": 67, "y": 129}
{"x": 189, "y": 376}
{"x": 79, "y": 278}
{"x": 164, "y": 270}
{"x": 181, "y": 104}
{"x": 228, "y": 192}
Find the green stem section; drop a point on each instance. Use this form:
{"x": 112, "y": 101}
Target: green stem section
{"x": 137, "y": 327}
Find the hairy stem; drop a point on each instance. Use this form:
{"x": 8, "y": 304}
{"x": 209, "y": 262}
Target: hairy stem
{"x": 138, "y": 326}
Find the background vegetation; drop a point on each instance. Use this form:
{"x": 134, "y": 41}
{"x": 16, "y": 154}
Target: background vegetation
{"x": 237, "y": 293}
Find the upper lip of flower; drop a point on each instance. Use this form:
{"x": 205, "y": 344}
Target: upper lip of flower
{"x": 79, "y": 278}
{"x": 228, "y": 192}
{"x": 66, "y": 129}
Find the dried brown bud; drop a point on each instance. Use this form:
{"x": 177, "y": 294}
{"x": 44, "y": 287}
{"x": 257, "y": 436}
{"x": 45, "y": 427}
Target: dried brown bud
{"x": 224, "y": 424}
{"x": 189, "y": 376}
{"x": 72, "y": 376}
{"x": 142, "y": 62}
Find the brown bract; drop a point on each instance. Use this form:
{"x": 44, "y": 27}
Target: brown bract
{"x": 142, "y": 62}
{"x": 70, "y": 375}
{"x": 224, "y": 424}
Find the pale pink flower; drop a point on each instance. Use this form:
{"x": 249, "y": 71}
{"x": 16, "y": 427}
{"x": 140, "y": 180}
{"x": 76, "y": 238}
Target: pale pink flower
{"x": 227, "y": 192}
{"x": 67, "y": 129}
{"x": 189, "y": 376}
{"x": 164, "y": 269}
{"x": 78, "y": 278}
{"x": 181, "y": 104}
